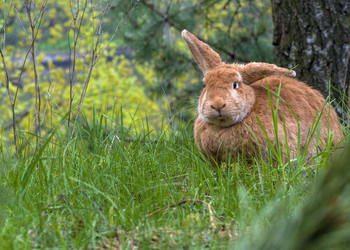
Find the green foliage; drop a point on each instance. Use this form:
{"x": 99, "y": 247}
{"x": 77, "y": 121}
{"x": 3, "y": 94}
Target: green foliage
{"x": 116, "y": 83}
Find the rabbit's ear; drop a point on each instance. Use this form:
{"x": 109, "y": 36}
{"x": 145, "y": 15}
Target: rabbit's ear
{"x": 254, "y": 71}
{"x": 205, "y": 57}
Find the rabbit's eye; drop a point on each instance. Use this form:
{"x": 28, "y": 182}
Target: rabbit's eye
{"x": 235, "y": 85}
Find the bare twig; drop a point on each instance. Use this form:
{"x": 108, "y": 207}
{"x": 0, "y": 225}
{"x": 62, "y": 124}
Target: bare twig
{"x": 12, "y": 100}
{"x": 27, "y": 53}
{"x": 83, "y": 93}
{"x": 92, "y": 65}
{"x": 35, "y": 24}
{"x": 167, "y": 19}
{"x": 29, "y": 50}
{"x": 96, "y": 53}
{"x": 72, "y": 61}
{"x": 4, "y": 26}
{"x": 8, "y": 20}
{"x": 211, "y": 218}
{"x": 50, "y": 91}
{"x": 122, "y": 22}
{"x": 23, "y": 29}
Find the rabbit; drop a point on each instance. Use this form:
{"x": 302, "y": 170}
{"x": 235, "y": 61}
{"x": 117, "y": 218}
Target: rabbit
{"x": 235, "y": 116}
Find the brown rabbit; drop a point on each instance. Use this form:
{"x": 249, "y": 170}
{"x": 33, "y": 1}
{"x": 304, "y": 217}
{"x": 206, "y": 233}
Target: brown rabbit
{"x": 235, "y": 115}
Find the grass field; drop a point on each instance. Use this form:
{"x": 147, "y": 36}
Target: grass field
{"x": 109, "y": 187}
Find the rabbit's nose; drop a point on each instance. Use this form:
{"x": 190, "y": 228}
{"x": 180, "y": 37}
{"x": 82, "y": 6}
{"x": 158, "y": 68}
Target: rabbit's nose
{"x": 218, "y": 106}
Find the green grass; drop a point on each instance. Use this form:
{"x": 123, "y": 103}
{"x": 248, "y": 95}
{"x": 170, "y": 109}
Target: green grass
{"x": 112, "y": 187}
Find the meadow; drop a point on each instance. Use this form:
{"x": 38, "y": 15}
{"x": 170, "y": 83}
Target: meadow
{"x": 113, "y": 187}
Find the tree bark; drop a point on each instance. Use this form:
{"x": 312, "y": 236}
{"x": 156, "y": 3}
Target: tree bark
{"x": 315, "y": 37}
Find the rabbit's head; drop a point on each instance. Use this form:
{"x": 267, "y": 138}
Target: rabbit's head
{"x": 226, "y": 99}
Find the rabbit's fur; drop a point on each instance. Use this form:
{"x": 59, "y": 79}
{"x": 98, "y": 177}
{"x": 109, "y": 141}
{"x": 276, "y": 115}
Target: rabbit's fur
{"x": 235, "y": 114}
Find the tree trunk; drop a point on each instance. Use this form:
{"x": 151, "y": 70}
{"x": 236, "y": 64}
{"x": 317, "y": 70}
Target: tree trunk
{"x": 315, "y": 37}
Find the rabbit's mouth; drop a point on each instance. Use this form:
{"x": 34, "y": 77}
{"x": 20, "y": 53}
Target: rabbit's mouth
{"x": 221, "y": 121}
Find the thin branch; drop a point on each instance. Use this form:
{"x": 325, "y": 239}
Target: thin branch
{"x": 50, "y": 92}
{"x": 96, "y": 55}
{"x": 122, "y": 22}
{"x": 23, "y": 28}
{"x": 7, "y": 22}
{"x": 167, "y": 19}
{"x": 28, "y": 50}
{"x": 72, "y": 61}
{"x": 4, "y": 26}
{"x": 12, "y": 102}
{"x": 34, "y": 34}
{"x": 13, "y": 99}
{"x": 82, "y": 97}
